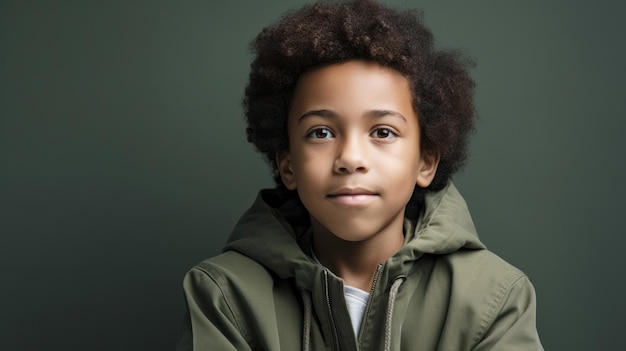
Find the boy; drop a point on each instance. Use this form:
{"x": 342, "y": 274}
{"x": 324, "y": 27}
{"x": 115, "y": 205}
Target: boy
{"x": 364, "y": 244}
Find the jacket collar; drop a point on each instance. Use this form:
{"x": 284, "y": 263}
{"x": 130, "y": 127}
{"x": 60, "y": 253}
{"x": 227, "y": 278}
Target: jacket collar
{"x": 276, "y": 234}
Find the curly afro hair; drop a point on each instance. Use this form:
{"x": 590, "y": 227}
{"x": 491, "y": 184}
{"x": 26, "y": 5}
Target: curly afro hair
{"x": 325, "y": 33}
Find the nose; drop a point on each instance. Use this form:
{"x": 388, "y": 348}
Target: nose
{"x": 351, "y": 157}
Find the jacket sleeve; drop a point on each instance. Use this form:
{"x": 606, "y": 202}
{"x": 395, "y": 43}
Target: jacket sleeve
{"x": 209, "y": 323}
{"x": 513, "y": 325}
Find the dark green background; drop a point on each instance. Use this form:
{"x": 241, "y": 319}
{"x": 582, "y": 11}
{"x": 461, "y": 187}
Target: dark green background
{"x": 123, "y": 159}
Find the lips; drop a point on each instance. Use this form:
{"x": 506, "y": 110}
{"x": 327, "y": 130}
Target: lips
{"x": 353, "y": 196}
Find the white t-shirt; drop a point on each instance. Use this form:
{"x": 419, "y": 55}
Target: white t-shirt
{"x": 356, "y": 300}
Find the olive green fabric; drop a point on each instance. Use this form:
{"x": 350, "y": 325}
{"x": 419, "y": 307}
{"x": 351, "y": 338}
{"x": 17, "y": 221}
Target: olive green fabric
{"x": 443, "y": 290}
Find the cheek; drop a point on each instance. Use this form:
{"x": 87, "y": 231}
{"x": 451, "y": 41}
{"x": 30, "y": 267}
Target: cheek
{"x": 306, "y": 172}
{"x": 309, "y": 175}
{"x": 404, "y": 160}
{"x": 312, "y": 161}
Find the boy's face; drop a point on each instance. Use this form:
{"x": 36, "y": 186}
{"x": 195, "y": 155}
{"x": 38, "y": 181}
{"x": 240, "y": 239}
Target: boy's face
{"x": 354, "y": 149}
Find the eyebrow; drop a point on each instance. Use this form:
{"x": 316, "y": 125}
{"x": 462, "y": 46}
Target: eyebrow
{"x": 371, "y": 114}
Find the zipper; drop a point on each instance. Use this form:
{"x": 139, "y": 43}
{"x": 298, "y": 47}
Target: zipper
{"x": 369, "y": 303}
{"x": 333, "y": 326}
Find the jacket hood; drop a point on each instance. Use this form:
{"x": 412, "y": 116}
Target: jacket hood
{"x": 277, "y": 234}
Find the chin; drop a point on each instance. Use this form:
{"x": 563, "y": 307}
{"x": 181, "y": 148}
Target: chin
{"x": 352, "y": 238}
{"x": 352, "y": 232}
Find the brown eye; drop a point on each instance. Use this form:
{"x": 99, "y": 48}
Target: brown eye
{"x": 383, "y": 133}
{"x": 320, "y": 133}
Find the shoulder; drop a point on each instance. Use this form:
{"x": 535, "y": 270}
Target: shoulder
{"x": 223, "y": 287}
{"x": 227, "y": 299}
{"x": 476, "y": 268}
{"x": 499, "y": 296}
{"x": 232, "y": 269}
{"x": 481, "y": 278}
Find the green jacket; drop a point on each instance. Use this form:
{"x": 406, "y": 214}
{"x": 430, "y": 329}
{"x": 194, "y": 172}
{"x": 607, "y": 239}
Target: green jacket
{"x": 443, "y": 290}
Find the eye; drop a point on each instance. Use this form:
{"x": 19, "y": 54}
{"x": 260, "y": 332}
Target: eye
{"x": 320, "y": 133}
{"x": 383, "y": 133}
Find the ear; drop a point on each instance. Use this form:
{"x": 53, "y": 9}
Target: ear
{"x": 283, "y": 163}
{"x": 429, "y": 160}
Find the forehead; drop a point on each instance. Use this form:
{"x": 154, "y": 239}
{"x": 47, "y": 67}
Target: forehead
{"x": 352, "y": 87}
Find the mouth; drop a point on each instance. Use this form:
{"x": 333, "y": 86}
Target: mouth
{"x": 353, "y": 196}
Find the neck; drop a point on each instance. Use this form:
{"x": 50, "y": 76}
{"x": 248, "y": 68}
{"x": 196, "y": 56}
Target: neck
{"x": 356, "y": 261}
